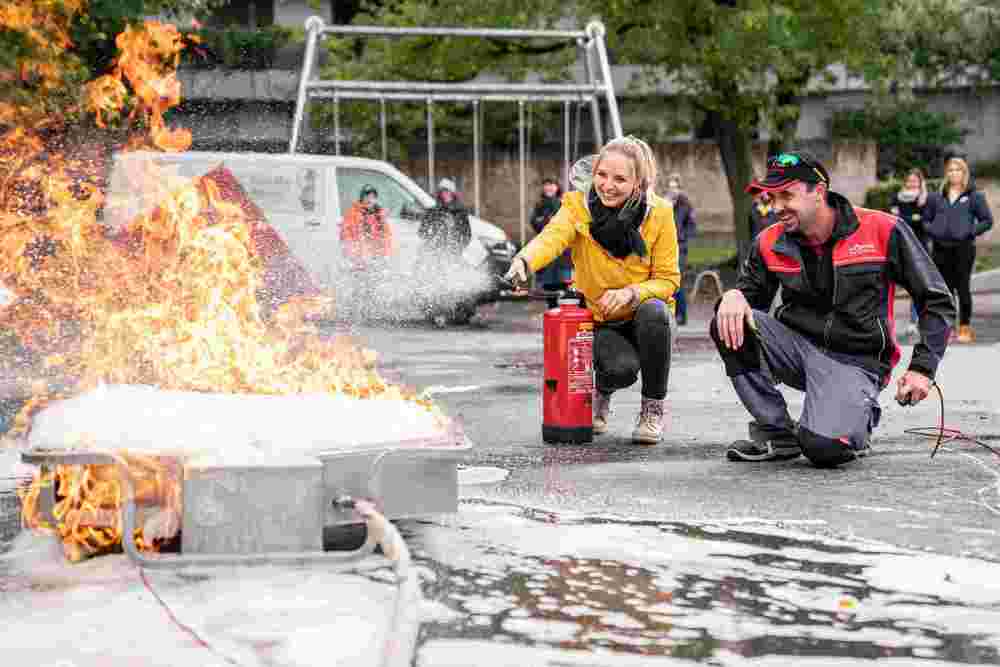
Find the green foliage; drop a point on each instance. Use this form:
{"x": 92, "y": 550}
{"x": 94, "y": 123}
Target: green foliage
{"x": 908, "y": 135}
{"x": 95, "y": 29}
{"x": 879, "y": 197}
{"x": 233, "y": 48}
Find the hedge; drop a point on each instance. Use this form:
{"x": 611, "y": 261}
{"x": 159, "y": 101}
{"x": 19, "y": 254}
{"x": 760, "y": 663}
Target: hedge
{"x": 880, "y": 196}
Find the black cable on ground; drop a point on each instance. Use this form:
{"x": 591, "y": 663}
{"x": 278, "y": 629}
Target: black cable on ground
{"x": 943, "y": 434}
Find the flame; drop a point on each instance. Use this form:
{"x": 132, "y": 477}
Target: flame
{"x": 169, "y": 300}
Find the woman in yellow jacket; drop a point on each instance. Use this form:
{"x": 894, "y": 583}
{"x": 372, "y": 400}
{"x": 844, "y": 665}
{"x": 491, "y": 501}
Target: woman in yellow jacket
{"x": 624, "y": 247}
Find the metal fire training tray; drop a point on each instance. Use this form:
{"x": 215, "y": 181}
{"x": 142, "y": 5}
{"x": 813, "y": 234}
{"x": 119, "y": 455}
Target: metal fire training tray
{"x": 402, "y": 479}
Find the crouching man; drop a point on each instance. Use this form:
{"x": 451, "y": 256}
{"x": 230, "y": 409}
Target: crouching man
{"x": 833, "y": 335}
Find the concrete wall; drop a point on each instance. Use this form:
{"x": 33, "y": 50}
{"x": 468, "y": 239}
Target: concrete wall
{"x": 852, "y": 167}
{"x": 978, "y": 112}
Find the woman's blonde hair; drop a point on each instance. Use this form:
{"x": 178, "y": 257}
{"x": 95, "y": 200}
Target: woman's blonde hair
{"x": 961, "y": 164}
{"x": 643, "y": 161}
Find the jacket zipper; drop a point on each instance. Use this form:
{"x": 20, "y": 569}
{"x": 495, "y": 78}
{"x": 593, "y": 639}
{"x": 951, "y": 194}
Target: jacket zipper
{"x": 881, "y": 330}
{"x": 833, "y": 309}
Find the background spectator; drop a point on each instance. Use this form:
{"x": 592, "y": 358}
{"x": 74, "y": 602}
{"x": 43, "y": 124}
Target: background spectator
{"x": 957, "y": 215}
{"x": 556, "y": 275}
{"x": 910, "y": 204}
{"x": 686, "y": 230}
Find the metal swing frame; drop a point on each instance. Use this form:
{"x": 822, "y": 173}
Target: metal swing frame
{"x": 591, "y": 48}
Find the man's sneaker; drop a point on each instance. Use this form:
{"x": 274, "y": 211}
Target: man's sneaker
{"x": 649, "y": 424}
{"x": 602, "y": 408}
{"x": 775, "y": 449}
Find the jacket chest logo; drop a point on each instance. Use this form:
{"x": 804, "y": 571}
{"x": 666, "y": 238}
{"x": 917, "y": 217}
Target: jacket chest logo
{"x": 858, "y": 249}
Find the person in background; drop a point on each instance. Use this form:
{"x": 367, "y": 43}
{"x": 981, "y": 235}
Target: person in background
{"x": 445, "y": 229}
{"x": 365, "y": 235}
{"x": 832, "y": 338}
{"x": 910, "y": 205}
{"x": 955, "y": 217}
{"x": 761, "y": 214}
{"x": 624, "y": 246}
{"x": 686, "y": 230}
{"x": 559, "y": 273}
{"x": 366, "y": 241}
{"x": 445, "y": 232}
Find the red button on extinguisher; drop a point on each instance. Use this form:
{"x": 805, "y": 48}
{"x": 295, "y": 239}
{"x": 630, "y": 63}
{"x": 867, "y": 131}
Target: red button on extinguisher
{"x": 568, "y": 387}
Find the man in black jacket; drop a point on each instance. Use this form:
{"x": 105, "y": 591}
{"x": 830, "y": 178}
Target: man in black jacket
{"x": 833, "y": 336}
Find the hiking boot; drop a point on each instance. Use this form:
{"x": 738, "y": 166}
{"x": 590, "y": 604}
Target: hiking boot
{"x": 774, "y": 449}
{"x": 649, "y": 424}
{"x": 966, "y": 334}
{"x": 602, "y": 408}
{"x": 765, "y": 445}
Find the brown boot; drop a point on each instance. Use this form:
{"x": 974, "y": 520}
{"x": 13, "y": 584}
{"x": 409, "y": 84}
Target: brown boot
{"x": 966, "y": 334}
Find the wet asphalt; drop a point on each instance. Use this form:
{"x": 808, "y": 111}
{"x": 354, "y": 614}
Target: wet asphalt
{"x": 599, "y": 555}
{"x": 673, "y": 551}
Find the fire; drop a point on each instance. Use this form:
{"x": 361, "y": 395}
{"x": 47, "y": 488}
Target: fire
{"x": 171, "y": 300}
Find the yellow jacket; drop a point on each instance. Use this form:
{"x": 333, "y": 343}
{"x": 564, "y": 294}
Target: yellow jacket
{"x": 656, "y": 275}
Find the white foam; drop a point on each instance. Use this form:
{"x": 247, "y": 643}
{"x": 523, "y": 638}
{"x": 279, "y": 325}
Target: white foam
{"x": 246, "y": 426}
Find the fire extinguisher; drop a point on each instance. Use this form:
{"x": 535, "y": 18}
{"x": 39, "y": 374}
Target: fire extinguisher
{"x": 568, "y": 385}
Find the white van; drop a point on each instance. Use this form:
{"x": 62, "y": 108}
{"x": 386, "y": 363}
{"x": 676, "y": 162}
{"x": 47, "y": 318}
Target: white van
{"x": 305, "y": 197}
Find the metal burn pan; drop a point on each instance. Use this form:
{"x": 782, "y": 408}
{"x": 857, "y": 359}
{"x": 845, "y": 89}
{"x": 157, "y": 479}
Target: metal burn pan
{"x": 278, "y": 511}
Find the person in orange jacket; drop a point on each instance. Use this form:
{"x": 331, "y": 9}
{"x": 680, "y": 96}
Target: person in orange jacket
{"x": 367, "y": 243}
{"x": 366, "y": 235}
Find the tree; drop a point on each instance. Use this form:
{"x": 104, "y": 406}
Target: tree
{"x": 744, "y": 64}
{"x": 48, "y": 50}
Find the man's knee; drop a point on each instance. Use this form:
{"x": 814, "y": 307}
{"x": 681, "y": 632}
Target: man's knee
{"x": 739, "y": 361}
{"x": 822, "y": 451}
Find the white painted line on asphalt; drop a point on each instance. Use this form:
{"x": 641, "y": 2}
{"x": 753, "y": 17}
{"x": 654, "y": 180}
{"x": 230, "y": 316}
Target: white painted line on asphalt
{"x": 436, "y": 389}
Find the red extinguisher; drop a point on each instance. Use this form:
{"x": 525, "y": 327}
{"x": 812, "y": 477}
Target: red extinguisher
{"x": 568, "y": 386}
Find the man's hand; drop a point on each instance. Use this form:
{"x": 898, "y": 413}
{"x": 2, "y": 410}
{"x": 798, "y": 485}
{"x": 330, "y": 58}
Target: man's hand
{"x": 734, "y": 310}
{"x": 517, "y": 274}
{"x": 614, "y": 299}
{"x": 912, "y": 388}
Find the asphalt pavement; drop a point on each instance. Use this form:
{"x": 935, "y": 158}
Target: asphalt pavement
{"x": 490, "y": 376}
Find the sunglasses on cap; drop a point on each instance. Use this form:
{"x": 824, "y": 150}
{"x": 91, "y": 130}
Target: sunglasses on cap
{"x": 786, "y": 169}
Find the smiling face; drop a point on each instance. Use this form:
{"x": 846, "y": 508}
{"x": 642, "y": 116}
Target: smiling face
{"x": 912, "y": 182}
{"x": 796, "y": 207}
{"x": 955, "y": 175}
{"x": 615, "y": 179}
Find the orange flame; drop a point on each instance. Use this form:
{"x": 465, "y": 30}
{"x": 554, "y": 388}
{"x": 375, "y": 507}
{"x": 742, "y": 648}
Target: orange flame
{"x": 171, "y": 301}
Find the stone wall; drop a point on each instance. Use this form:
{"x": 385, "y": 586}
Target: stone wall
{"x": 852, "y": 167}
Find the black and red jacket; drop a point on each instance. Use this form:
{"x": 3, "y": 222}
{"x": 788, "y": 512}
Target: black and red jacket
{"x": 872, "y": 252}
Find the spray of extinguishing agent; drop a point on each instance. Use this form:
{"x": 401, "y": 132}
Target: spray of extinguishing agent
{"x": 568, "y": 375}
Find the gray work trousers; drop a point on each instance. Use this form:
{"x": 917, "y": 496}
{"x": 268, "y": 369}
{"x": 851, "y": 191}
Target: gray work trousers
{"x": 841, "y": 398}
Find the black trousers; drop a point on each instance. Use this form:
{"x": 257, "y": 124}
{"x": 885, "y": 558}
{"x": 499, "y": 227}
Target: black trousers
{"x": 624, "y": 349}
{"x": 955, "y": 262}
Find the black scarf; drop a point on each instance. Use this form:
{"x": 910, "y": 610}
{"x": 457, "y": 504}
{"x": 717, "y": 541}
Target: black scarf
{"x": 617, "y": 229}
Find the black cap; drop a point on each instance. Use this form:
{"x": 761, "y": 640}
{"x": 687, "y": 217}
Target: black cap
{"x": 786, "y": 169}
{"x": 368, "y": 190}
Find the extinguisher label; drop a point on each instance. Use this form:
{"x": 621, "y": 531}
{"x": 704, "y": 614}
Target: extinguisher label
{"x": 581, "y": 363}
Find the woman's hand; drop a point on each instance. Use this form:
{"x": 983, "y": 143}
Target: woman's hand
{"x": 517, "y": 275}
{"x": 615, "y": 299}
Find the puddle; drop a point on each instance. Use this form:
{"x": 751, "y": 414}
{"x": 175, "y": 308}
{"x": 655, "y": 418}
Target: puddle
{"x": 543, "y": 581}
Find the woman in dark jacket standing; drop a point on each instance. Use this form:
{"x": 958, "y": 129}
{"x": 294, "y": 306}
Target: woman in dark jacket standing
{"x": 686, "y": 230}
{"x": 910, "y": 205}
{"x": 558, "y": 274}
{"x": 957, "y": 215}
